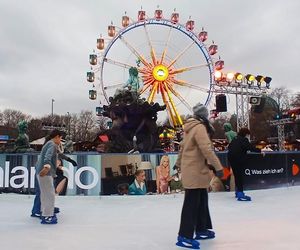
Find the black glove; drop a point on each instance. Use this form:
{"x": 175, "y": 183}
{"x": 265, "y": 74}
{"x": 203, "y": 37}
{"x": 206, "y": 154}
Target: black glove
{"x": 74, "y": 163}
{"x": 220, "y": 173}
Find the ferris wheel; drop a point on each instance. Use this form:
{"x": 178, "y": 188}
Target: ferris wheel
{"x": 173, "y": 63}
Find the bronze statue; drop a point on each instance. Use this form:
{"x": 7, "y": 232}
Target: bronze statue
{"x": 22, "y": 142}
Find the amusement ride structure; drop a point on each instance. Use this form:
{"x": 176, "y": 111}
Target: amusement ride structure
{"x": 169, "y": 63}
{"x": 172, "y": 61}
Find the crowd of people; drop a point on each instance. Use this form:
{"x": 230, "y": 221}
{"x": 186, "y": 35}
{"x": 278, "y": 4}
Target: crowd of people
{"x": 197, "y": 171}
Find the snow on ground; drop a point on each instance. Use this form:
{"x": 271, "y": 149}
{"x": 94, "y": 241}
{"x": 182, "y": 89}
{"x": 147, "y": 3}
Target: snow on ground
{"x": 270, "y": 222}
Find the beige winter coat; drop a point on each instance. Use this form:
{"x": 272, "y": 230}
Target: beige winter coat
{"x": 196, "y": 150}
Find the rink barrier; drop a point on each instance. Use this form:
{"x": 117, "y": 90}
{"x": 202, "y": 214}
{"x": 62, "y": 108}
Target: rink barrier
{"x": 100, "y": 174}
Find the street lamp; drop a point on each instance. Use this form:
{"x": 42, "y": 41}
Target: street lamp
{"x": 52, "y": 101}
{"x": 69, "y": 123}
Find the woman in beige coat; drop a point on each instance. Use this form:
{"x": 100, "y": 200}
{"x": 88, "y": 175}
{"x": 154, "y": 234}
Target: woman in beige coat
{"x": 195, "y": 154}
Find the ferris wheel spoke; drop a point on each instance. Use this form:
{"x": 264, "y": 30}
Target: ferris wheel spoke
{"x": 121, "y": 64}
{"x": 134, "y": 51}
{"x": 173, "y": 105}
{"x": 148, "y": 80}
{"x": 153, "y": 92}
{"x": 181, "y": 70}
{"x": 180, "y": 54}
{"x": 166, "y": 46}
{"x": 145, "y": 87}
{"x": 177, "y": 94}
{"x": 147, "y": 84}
{"x": 152, "y": 52}
{"x": 169, "y": 110}
{"x": 190, "y": 85}
{"x": 95, "y": 69}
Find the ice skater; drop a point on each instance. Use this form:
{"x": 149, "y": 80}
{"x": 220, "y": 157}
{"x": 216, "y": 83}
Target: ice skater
{"x": 45, "y": 171}
{"x": 195, "y": 153}
{"x": 237, "y": 157}
{"x": 36, "y": 208}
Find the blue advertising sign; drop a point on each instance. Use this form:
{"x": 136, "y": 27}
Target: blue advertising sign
{"x": 4, "y": 137}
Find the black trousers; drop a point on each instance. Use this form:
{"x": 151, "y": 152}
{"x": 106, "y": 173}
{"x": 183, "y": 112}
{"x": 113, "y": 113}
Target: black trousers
{"x": 195, "y": 213}
{"x": 238, "y": 172}
{"x": 57, "y": 180}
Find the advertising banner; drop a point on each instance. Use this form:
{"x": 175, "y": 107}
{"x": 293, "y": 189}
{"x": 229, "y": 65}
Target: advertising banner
{"x": 105, "y": 174}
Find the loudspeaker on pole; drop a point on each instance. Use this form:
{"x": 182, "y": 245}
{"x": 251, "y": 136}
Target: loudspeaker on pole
{"x": 260, "y": 108}
{"x": 221, "y": 103}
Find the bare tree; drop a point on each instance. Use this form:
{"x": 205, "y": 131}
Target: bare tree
{"x": 35, "y": 130}
{"x": 74, "y": 120}
{"x": 1, "y": 119}
{"x": 282, "y": 97}
{"x": 296, "y": 100}
{"x": 11, "y": 118}
{"x": 86, "y": 128}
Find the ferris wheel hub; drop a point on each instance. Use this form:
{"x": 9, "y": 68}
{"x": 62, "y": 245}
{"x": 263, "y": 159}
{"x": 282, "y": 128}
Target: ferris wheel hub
{"x": 160, "y": 72}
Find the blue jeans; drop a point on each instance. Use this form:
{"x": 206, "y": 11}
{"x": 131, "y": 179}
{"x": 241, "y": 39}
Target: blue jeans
{"x": 36, "y": 209}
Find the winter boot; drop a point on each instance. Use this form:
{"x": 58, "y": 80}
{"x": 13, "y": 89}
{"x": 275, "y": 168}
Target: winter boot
{"x": 205, "y": 234}
{"x": 188, "y": 243}
{"x": 49, "y": 220}
{"x": 242, "y": 197}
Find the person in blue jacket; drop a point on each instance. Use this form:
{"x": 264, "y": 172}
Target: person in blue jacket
{"x": 45, "y": 172}
{"x": 36, "y": 209}
{"x": 138, "y": 187}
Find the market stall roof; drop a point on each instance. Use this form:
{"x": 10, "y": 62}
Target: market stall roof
{"x": 39, "y": 141}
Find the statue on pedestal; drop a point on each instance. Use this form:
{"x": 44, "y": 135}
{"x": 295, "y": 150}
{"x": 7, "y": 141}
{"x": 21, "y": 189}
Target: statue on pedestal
{"x": 22, "y": 142}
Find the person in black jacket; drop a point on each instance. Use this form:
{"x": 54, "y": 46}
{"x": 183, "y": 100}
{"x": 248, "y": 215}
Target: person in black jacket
{"x": 237, "y": 157}
{"x": 60, "y": 181}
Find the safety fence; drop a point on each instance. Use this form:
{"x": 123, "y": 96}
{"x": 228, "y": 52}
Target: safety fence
{"x": 101, "y": 174}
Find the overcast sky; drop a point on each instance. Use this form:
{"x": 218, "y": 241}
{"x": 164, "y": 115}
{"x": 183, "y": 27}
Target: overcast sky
{"x": 44, "y": 44}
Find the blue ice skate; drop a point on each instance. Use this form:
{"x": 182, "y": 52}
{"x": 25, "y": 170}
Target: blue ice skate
{"x": 242, "y": 197}
{"x": 205, "y": 235}
{"x": 49, "y": 220}
{"x": 38, "y": 215}
{"x": 188, "y": 243}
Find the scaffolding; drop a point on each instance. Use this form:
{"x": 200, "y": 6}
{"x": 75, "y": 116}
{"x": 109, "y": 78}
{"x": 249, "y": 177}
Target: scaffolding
{"x": 280, "y": 130}
{"x": 242, "y": 94}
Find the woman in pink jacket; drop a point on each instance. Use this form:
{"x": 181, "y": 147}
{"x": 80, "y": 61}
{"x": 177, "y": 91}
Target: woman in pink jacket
{"x": 195, "y": 156}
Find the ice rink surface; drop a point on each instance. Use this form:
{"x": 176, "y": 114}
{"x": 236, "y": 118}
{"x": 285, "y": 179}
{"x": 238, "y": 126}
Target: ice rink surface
{"x": 270, "y": 222}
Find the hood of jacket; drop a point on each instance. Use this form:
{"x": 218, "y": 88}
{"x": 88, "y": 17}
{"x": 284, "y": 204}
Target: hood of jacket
{"x": 190, "y": 124}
